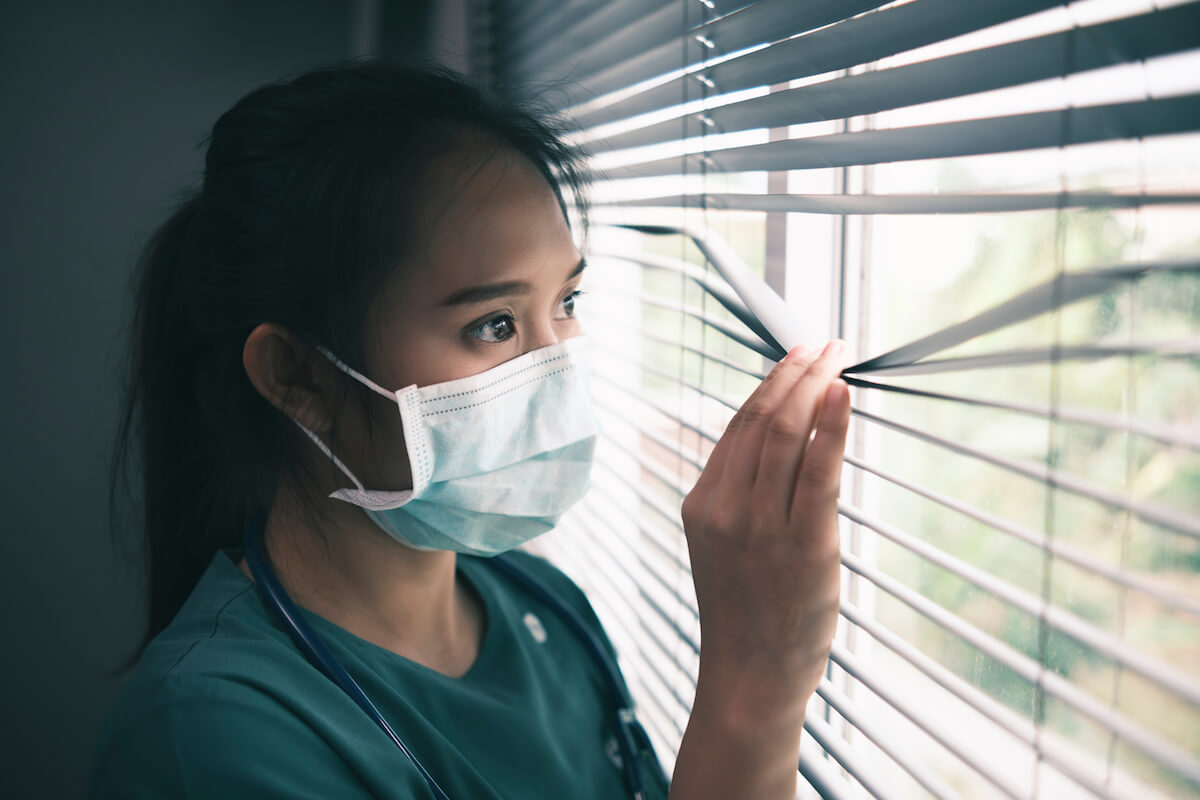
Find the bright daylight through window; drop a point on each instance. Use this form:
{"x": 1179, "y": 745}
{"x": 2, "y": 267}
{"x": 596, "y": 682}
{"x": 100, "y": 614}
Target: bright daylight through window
{"x": 1021, "y": 495}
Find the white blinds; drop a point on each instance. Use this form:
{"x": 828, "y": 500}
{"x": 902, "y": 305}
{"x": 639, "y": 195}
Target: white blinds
{"x": 998, "y": 205}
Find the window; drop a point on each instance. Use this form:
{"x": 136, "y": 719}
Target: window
{"x": 1021, "y": 497}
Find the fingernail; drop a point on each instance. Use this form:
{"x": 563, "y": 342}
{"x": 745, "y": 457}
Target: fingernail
{"x": 834, "y": 348}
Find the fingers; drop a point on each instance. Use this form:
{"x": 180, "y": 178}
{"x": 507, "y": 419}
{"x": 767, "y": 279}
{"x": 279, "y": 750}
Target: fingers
{"x": 785, "y": 447}
{"x": 736, "y": 454}
{"x": 820, "y": 475}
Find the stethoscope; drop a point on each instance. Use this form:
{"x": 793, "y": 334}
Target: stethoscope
{"x": 314, "y": 649}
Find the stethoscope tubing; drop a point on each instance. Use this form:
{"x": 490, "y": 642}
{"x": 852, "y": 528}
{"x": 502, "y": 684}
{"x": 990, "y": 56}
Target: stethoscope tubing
{"x": 319, "y": 655}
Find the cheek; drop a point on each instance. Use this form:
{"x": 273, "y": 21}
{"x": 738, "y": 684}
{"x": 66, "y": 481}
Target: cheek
{"x": 572, "y": 327}
{"x": 374, "y": 448}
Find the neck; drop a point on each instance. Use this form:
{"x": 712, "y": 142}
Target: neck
{"x": 339, "y": 566}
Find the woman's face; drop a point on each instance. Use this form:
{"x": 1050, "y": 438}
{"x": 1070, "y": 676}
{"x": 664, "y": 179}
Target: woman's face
{"x": 498, "y": 278}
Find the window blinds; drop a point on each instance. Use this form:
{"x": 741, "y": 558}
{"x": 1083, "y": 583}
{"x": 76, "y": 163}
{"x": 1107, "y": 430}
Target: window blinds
{"x": 998, "y": 205}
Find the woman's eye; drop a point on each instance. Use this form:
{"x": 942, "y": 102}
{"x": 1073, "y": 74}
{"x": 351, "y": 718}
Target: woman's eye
{"x": 494, "y": 330}
{"x": 567, "y": 306}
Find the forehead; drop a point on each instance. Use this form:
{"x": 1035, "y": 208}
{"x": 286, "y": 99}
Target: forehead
{"x": 490, "y": 219}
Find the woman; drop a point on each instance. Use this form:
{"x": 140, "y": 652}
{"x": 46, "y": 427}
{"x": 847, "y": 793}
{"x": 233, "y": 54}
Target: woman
{"x": 375, "y": 238}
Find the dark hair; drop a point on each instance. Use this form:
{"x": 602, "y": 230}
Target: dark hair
{"x": 308, "y": 185}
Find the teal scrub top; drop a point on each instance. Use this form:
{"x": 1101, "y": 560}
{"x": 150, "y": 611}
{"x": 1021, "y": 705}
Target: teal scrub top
{"x": 222, "y": 704}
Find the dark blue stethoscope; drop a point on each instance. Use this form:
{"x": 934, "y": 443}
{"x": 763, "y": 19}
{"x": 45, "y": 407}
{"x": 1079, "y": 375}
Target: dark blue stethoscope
{"x": 314, "y": 649}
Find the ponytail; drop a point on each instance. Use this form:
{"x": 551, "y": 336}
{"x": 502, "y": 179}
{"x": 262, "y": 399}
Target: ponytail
{"x": 192, "y": 496}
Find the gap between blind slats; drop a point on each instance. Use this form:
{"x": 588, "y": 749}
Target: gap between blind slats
{"x": 708, "y": 320}
{"x": 759, "y": 23}
{"x": 1168, "y": 518}
{"x": 712, "y": 285}
{"x": 1177, "y": 348}
{"x": 672, "y": 592}
{"x": 850, "y": 760}
{"x": 1000, "y": 66}
{"x": 657, "y": 438}
{"x": 671, "y": 516}
{"x": 711, "y": 358}
{"x": 645, "y": 366}
{"x": 655, "y": 406}
{"x": 821, "y": 777}
{"x": 668, "y": 685}
{"x": 1055, "y": 617}
{"x": 973, "y": 203}
{"x": 571, "y": 49}
{"x": 839, "y": 46}
{"x": 887, "y": 744}
{"x": 1051, "y": 683}
{"x": 946, "y": 739}
{"x": 527, "y": 12}
{"x": 1173, "y": 435}
{"x": 1002, "y": 134}
{"x": 686, "y": 673}
{"x": 671, "y": 558}
{"x": 1059, "y": 550}
{"x": 661, "y": 474}
{"x": 1018, "y": 726}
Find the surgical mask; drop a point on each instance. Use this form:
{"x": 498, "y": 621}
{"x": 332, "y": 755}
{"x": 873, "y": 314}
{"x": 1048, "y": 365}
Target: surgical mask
{"x": 496, "y": 458}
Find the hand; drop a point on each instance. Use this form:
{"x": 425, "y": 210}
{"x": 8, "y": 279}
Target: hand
{"x": 761, "y": 526}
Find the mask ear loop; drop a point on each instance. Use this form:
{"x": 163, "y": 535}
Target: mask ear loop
{"x": 337, "y": 462}
{"x": 358, "y": 376}
{"x": 364, "y": 380}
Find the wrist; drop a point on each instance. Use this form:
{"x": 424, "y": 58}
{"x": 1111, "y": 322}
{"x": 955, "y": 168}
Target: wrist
{"x": 756, "y": 702}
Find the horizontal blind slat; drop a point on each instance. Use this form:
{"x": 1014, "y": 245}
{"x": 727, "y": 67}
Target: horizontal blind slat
{"x": 1058, "y": 549}
{"x": 948, "y": 203}
{"x": 762, "y": 22}
{"x": 615, "y": 32}
{"x": 1027, "y": 668}
{"x": 1042, "y": 129}
{"x": 708, "y": 320}
{"x": 1061, "y": 620}
{"x": 849, "y": 759}
{"x": 1012, "y": 64}
{"x": 887, "y": 744}
{"x": 665, "y": 412}
{"x": 1018, "y": 726}
{"x": 716, "y": 288}
{"x": 840, "y": 46}
{"x": 820, "y": 775}
{"x": 950, "y": 740}
{"x": 1155, "y": 513}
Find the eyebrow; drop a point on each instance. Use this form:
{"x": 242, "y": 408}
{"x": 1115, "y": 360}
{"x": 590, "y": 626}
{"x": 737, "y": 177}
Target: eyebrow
{"x": 490, "y": 291}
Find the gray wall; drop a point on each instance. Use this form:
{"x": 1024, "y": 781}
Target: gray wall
{"x": 104, "y": 105}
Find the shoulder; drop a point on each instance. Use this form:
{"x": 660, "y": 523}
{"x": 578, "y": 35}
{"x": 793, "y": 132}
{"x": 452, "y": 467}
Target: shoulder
{"x": 209, "y": 698}
{"x": 201, "y": 735}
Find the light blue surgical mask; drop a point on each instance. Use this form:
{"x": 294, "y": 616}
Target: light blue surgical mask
{"x": 497, "y": 458}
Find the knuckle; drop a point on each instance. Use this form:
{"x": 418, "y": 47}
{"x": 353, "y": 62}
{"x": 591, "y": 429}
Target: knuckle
{"x": 722, "y": 519}
{"x": 818, "y": 481}
{"x": 749, "y": 414}
{"x": 787, "y": 426}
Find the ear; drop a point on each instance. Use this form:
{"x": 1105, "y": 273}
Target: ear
{"x": 292, "y": 376}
